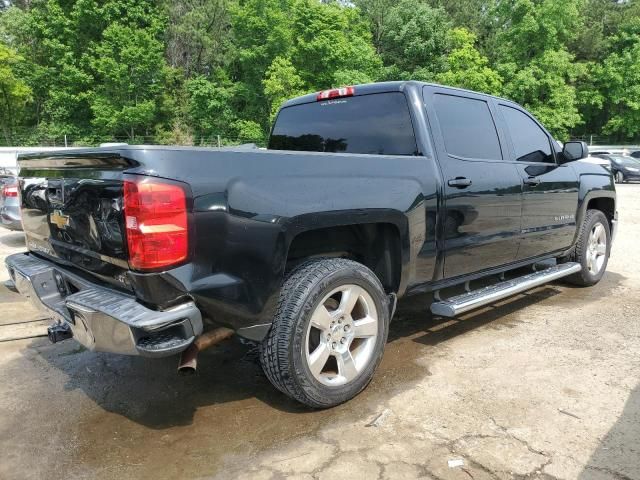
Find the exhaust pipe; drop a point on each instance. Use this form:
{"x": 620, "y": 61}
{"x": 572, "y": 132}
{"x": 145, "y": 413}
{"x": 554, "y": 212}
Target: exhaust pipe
{"x": 189, "y": 358}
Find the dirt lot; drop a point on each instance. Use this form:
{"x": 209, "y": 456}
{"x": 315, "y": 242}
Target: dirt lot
{"x": 545, "y": 385}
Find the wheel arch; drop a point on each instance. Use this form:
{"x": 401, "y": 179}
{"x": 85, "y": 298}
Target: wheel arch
{"x": 378, "y": 240}
{"x": 596, "y": 192}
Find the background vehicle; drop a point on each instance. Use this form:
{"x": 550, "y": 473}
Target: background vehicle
{"x": 10, "y": 204}
{"x": 7, "y": 175}
{"x": 623, "y": 168}
{"x": 365, "y": 194}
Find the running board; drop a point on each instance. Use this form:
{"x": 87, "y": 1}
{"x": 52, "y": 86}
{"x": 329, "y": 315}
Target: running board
{"x": 477, "y": 298}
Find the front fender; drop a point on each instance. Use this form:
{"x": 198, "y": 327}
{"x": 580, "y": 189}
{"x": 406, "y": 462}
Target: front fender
{"x": 592, "y": 186}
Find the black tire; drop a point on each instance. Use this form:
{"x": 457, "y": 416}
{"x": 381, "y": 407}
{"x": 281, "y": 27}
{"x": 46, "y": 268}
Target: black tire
{"x": 586, "y": 278}
{"x": 619, "y": 177}
{"x": 282, "y": 356}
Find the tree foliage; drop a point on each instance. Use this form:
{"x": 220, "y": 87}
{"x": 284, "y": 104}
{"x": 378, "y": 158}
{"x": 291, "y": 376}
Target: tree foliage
{"x": 618, "y": 80}
{"x": 466, "y": 67}
{"x": 14, "y": 93}
{"x": 414, "y": 41}
{"x": 203, "y": 71}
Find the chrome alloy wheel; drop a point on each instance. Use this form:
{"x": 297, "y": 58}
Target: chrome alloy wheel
{"x": 596, "y": 248}
{"x": 341, "y": 335}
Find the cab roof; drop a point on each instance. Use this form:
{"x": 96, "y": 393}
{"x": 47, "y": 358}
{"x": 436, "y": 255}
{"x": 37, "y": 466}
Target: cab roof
{"x": 383, "y": 87}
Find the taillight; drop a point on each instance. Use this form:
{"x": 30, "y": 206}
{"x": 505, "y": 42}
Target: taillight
{"x": 10, "y": 191}
{"x": 336, "y": 93}
{"x": 156, "y": 223}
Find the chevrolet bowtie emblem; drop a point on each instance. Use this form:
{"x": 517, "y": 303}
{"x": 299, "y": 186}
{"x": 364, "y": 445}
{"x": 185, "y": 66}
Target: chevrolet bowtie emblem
{"x": 59, "y": 220}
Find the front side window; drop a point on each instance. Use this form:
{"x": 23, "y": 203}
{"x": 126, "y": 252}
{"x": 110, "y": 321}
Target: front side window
{"x": 467, "y": 127}
{"x": 530, "y": 142}
{"x": 376, "y": 124}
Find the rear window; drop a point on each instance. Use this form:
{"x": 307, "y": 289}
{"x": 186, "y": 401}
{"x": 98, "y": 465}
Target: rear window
{"x": 376, "y": 124}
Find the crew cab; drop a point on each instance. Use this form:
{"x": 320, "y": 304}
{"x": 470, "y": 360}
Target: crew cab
{"x": 365, "y": 194}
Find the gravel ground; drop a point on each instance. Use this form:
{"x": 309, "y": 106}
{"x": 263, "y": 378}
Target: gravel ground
{"x": 544, "y": 385}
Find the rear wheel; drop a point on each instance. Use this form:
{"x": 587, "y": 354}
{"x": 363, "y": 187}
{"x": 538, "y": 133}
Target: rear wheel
{"x": 619, "y": 177}
{"x": 592, "y": 249}
{"x": 328, "y": 334}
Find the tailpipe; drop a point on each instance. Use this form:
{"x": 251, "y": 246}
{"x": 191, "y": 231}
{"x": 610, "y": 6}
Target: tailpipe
{"x": 189, "y": 358}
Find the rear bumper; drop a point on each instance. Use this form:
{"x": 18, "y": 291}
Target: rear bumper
{"x": 103, "y": 319}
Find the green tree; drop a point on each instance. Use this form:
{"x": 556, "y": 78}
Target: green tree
{"x": 466, "y": 67}
{"x": 14, "y": 93}
{"x": 262, "y": 32}
{"x": 376, "y": 12}
{"x": 474, "y": 15}
{"x": 546, "y": 88}
{"x": 332, "y": 45}
{"x": 128, "y": 69}
{"x": 281, "y": 82}
{"x": 189, "y": 70}
{"x": 210, "y": 109}
{"x": 248, "y": 131}
{"x": 618, "y": 80}
{"x": 599, "y": 20}
{"x": 198, "y": 35}
{"x": 528, "y": 28}
{"x": 539, "y": 71}
{"x": 414, "y": 41}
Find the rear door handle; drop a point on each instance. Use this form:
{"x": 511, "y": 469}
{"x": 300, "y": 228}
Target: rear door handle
{"x": 532, "y": 181}
{"x": 459, "y": 182}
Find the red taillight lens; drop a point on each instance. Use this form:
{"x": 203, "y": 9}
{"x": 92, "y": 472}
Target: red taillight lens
{"x": 336, "y": 93}
{"x": 10, "y": 191}
{"x": 156, "y": 223}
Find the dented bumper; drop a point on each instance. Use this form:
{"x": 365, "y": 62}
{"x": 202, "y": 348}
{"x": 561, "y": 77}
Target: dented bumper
{"x": 103, "y": 319}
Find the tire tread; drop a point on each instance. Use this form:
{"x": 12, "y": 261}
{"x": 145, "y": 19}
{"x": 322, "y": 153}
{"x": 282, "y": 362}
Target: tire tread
{"x": 275, "y": 350}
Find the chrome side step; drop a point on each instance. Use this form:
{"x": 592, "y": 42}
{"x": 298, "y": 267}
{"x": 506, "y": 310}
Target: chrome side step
{"x": 477, "y": 298}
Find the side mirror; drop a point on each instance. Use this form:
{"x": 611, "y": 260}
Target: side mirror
{"x": 574, "y": 151}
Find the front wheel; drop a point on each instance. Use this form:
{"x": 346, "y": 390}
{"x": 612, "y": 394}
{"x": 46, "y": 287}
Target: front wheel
{"x": 592, "y": 249}
{"x": 328, "y": 334}
{"x": 619, "y": 177}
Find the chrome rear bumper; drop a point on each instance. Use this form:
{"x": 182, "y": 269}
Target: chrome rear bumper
{"x": 103, "y": 319}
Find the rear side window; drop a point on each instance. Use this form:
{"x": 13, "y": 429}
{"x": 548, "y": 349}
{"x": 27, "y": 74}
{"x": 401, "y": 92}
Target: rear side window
{"x": 376, "y": 124}
{"x": 467, "y": 127}
{"x": 530, "y": 142}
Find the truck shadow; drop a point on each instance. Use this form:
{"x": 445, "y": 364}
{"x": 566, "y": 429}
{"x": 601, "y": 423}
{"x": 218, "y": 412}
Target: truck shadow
{"x": 12, "y": 239}
{"x": 152, "y": 394}
{"x": 414, "y": 320}
{"x": 618, "y": 454}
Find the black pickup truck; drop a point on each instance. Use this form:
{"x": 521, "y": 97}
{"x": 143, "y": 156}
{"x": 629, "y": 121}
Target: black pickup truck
{"x": 364, "y": 195}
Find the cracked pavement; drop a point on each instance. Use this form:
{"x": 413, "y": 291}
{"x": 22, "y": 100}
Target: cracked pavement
{"x": 544, "y": 385}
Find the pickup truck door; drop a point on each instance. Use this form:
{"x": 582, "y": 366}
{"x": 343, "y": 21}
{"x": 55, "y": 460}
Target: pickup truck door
{"x": 550, "y": 191}
{"x": 482, "y": 191}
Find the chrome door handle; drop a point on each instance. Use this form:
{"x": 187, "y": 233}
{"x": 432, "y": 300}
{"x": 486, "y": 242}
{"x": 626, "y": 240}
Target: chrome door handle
{"x": 459, "y": 182}
{"x": 532, "y": 181}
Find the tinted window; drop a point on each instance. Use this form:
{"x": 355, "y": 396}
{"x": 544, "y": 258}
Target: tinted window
{"x": 467, "y": 127}
{"x": 378, "y": 124}
{"x": 530, "y": 142}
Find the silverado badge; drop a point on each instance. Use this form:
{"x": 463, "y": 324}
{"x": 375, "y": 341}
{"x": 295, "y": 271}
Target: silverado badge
{"x": 59, "y": 219}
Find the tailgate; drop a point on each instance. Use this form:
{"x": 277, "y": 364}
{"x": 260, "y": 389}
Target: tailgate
{"x": 72, "y": 209}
